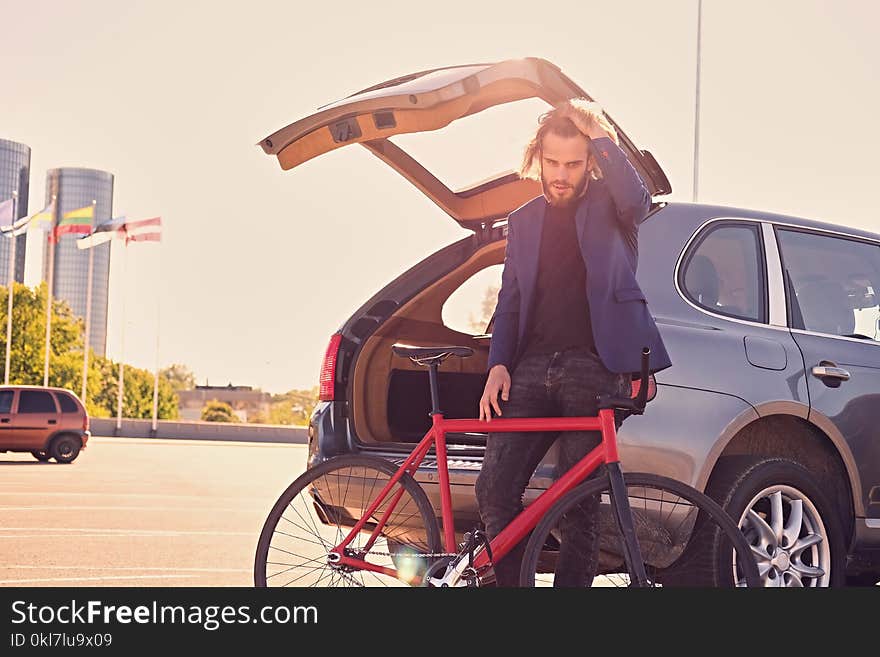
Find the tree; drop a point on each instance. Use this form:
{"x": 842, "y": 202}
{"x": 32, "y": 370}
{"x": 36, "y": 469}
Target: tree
{"x": 490, "y": 298}
{"x": 179, "y": 376}
{"x": 137, "y": 395}
{"x": 292, "y": 407}
{"x": 218, "y": 411}
{"x": 281, "y": 413}
{"x": 27, "y": 359}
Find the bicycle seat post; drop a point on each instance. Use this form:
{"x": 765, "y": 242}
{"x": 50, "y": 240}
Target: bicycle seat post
{"x": 435, "y": 388}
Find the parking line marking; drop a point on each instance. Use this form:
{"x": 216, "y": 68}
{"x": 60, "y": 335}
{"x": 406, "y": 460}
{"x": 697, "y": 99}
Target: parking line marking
{"x": 125, "y": 508}
{"x": 91, "y": 579}
{"x": 106, "y": 494}
{"x": 181, "y": 569}
{"x": 98, "y": 531}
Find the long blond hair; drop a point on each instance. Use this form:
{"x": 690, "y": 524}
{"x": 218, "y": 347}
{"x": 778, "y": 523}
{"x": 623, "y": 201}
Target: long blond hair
{"x": 558, "y": 122}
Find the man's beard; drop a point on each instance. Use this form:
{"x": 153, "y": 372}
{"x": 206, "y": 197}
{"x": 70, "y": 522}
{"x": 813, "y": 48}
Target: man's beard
{"x": 570, "y": 198}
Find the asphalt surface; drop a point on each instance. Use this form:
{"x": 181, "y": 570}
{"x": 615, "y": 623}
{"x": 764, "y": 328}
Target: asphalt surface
{"x": 140, "y": 512}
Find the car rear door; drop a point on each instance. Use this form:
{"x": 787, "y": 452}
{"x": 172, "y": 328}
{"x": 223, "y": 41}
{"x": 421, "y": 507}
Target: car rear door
{"x": 832, "y": 283}
{"x": 428, "y": 101}
{"x": 36, "y": 417}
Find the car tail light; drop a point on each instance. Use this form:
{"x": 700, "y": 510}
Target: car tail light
{"x": 328, "y": 369}
{"x": 86, "y": 423}
{"x": 652, "y": 388}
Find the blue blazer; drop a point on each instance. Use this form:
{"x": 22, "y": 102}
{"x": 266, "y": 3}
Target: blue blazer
{"x": 608, "y": 218}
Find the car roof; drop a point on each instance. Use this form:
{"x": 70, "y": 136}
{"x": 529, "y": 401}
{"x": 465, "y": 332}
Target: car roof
{"x": 32, "y": 387}
{"x": 707, "y": 211}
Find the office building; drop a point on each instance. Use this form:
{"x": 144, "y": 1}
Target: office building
{"x": 15, "y": 165}
{"x": 76, "y": 188}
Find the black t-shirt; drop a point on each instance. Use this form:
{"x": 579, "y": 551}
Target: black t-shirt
{"x": 560, "y": 314}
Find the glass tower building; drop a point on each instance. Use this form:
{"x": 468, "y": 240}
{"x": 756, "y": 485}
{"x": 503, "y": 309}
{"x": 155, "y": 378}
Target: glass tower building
{"x": 15, "y": 165}
{"x": 76, "y": 188}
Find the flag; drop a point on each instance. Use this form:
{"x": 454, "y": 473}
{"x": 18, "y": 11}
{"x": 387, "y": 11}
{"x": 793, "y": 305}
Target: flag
{"x": 76, "y": 221}
{"x": 103, "y": 232}
{"x": 6, "y": 217}
{"x": 46, "y": 216}
{"x": 87, "y": 212}
{"x": 145, "y": 230}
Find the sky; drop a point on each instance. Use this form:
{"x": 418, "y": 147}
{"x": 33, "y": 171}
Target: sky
{"x": 258, "y": 266}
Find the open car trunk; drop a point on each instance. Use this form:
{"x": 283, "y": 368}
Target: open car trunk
{"x": 390, "y": 395}
{"x": 427, "y": 102}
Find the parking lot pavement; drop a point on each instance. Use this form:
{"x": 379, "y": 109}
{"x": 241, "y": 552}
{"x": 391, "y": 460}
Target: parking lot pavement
{"x": 140, "y": 512}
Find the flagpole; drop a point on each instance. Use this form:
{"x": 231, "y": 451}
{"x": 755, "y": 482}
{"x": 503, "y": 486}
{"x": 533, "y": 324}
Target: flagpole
{"x": 697, "y": 101}
{"x": 122, "y": 342}
{"x": 49, "y": 287}
{"x": 158, "y": 327}
{"x": 11, "y": 290}
{"x": 89, "y": 306}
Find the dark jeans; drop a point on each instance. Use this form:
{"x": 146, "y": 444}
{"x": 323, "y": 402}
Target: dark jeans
{"x": 562, "y": 384}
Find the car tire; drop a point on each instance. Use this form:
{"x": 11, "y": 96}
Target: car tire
{"x": 793, "y": 529}
{"x": 40, "y": 455}
{"x": 65, "y": 449}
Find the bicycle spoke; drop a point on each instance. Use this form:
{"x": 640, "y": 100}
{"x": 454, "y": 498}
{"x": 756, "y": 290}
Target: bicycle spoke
{"x": 684, "y": 538}
{"x": 314, "y": 516}
{"x": 319, "y": 569}
{"x": 307, "y": 520}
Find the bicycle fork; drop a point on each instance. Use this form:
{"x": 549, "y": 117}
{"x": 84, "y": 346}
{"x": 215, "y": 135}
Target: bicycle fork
{"x": 623, "y": 514}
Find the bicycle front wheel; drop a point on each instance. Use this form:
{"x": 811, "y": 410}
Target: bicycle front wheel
{"x": 685, "y": 538}
{"x": 318, "y": 510}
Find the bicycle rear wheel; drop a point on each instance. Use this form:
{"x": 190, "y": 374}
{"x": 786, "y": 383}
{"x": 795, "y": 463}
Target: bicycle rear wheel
{"x": 318, "y": 510}
{"x": 685, "y": 538}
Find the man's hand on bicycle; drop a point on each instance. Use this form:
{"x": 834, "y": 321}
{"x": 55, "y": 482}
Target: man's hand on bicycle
{"x": 498, "y": 381}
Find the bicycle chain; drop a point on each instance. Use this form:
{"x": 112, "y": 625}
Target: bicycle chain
{"x": 432, "y": 555}
{"x": 351, "y": 579}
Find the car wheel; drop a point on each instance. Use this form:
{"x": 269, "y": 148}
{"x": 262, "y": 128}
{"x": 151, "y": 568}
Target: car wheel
{"x": 792, "y": 528}
{"x": 65, "y": 448}
{"x": 40, "y": 455}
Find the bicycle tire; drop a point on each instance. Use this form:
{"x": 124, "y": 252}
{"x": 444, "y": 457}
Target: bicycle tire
{"x": 318, "y": 510}
{"x": 673, "y": 522}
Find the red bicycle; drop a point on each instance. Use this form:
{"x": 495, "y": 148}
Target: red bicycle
{"x": 360, "y": 520}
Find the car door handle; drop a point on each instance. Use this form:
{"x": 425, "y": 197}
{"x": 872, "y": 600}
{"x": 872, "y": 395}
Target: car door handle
{"x": 826, "y": 371}
{"x": 53, "y": 421}
{"x": 4, "y": 420}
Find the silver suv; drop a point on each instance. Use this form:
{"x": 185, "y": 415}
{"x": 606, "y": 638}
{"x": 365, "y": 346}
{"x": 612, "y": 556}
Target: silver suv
{"x": 772, "y": 405}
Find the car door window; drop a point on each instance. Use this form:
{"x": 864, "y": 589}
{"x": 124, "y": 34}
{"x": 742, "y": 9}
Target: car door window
{"x": 36, "y": 401}
{"x": 67, "y": 404}
{"x": 723, "y": 272}
{"x": 832, "y": 283}
{"x": 470, "y": 307}
{"x": 6, "y": 401}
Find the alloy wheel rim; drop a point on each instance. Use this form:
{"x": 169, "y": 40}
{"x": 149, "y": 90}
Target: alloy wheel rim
{"x": 788, "y": 538}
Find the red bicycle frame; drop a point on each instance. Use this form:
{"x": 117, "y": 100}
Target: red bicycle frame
{"x": 519, "y": 527}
